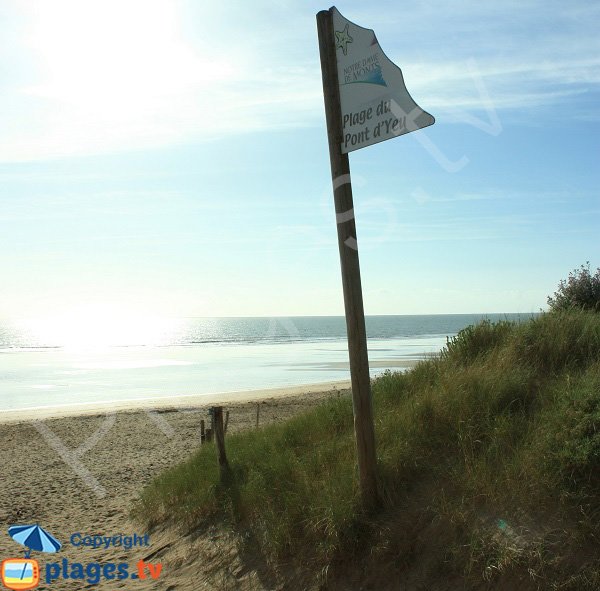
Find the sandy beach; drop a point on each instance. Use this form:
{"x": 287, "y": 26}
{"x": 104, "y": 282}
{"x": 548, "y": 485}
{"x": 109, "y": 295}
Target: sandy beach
{"x": 78, "y": 470}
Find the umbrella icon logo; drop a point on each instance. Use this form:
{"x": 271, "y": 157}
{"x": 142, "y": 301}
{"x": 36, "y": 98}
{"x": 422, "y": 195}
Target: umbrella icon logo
{"x": 24, "y": 573}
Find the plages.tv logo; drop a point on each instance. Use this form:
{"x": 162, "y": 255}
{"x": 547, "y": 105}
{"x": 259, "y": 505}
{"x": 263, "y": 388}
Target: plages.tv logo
{"x": 24, "y": 573}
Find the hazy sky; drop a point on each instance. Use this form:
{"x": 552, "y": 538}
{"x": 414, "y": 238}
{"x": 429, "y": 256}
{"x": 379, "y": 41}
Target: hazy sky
{"x": 170, "y": 157}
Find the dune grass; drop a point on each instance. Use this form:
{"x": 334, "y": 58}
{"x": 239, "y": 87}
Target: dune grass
{"x": 498, "y": 439}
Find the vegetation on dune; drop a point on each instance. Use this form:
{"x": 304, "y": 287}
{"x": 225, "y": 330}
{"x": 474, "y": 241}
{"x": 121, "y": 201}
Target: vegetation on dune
{"x": 581, "y": 290}
{"x": 489, "y": 464}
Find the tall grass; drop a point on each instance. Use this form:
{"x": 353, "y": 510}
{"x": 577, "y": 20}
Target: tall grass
{"x": 506, "y": 421}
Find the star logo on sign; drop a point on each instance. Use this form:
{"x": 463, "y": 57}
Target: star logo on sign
{"x": 342, "y": 38}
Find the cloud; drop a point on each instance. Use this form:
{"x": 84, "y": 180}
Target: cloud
{"x": 101, "y": 77}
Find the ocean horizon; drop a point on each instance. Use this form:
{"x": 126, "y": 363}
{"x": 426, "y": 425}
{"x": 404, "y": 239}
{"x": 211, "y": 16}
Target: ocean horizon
{"x": 59, "y": 363}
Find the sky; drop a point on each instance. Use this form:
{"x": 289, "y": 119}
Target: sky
{"x": 169, "y": 158}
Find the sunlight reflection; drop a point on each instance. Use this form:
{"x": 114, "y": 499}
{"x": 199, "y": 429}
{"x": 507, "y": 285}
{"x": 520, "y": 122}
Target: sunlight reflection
{"x": 97, "y": 326}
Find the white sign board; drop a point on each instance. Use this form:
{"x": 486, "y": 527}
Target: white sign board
{"x": 374, "y": 100}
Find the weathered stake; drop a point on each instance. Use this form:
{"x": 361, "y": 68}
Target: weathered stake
{"x": 353, "y": 302}
{"x": 219, "y": 432}
{"x": 202, "y": 432}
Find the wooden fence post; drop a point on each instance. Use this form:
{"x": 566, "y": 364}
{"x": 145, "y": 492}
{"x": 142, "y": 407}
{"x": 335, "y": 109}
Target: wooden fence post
{"x": 219, "y": 432}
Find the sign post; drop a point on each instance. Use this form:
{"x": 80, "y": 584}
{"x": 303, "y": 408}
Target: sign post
{"x": 365, "y": 103}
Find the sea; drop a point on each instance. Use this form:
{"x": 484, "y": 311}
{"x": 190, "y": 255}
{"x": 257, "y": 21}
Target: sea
{"x": 47, "y": 364}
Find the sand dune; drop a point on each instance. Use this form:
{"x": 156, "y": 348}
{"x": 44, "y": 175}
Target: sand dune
{"x": 81, "y": 473}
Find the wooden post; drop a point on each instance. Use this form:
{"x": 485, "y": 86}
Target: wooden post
{"x": 217, "y": 415}
{"x": 353, "y": 302}
{"x": 202, "y": 432}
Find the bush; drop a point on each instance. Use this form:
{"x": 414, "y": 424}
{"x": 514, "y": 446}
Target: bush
{"x": 580, "y": 290}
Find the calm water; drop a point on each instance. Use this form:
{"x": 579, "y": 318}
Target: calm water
{"x": 44, "y": 363}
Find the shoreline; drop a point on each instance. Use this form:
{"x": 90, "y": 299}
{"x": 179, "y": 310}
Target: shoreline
{"x": 46, "y": 388}
{"x": 165, "y": 403}
{"x": 179, "y": 401}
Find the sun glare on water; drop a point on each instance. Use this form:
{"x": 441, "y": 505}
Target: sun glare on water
{"x": 100, "y": 326}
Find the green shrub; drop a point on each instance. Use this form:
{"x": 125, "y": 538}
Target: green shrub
{"x": 580, "y": 290}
